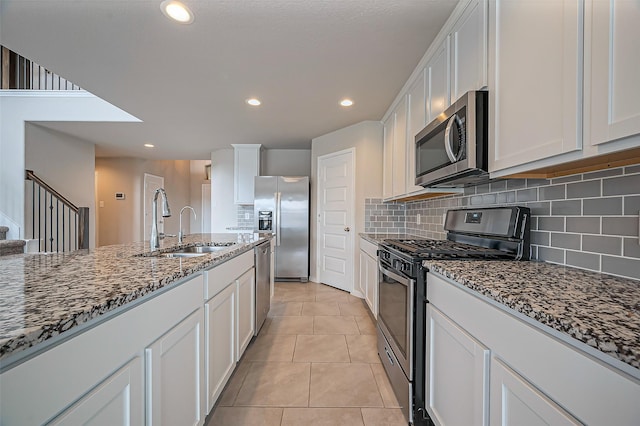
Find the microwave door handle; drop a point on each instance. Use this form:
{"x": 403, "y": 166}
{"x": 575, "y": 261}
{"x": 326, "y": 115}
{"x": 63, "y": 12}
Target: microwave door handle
{"x": 448, "y": 142}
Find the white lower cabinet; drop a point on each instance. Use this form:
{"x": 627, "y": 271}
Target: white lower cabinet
{"x": 516, "y": 402}
{"x": 457, "y": 373}
{"x": 174, "y": 375}
{"x": 229, "y": 320}
{"x": 246, "y": 286}
{"x": 486, "y": 365}
{"x": 118, "y": 400}
{"x": 220, "y": 345}
{"x": 369, "y": 275}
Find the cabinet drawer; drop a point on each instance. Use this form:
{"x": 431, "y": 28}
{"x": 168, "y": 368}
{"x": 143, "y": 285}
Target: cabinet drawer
{"x": 369, "y": 248}
{"x": 217, "y": 278}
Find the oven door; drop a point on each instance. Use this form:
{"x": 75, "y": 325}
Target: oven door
{"x": 395, "y": 315}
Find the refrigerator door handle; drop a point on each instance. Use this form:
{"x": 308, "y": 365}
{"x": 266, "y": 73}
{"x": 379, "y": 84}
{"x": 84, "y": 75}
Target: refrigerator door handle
{"x": 278, "y": 197}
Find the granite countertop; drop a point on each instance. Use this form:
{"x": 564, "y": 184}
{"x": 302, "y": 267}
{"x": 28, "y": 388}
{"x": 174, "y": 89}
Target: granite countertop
{"x": 378, "y": 238}
{"x": 45, "y": 295}
{"x": 599, "y": 310}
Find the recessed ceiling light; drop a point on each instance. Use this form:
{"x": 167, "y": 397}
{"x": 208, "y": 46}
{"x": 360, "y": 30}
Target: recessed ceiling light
{"x": 149, "y": 145}
{"x": 253, "y": 102}
{"x": 346, "y": 102}
{"x": 177, "y": 11}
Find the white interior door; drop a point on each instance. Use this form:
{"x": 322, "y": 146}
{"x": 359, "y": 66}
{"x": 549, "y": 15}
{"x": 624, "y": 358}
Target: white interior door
{"x": 151, "y": 184}
{"x": 335, "y": 219}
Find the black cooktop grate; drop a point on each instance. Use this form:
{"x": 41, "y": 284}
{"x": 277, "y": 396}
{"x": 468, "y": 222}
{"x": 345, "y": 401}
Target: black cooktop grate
{"x": 444, "y": 249}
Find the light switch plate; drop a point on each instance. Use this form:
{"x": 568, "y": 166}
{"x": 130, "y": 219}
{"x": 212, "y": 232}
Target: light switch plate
{"x": 418, "y": 218}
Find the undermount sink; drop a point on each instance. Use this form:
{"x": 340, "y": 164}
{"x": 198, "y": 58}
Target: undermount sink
{"x": 201, "y": 249}
{"x": 194, "y": 251}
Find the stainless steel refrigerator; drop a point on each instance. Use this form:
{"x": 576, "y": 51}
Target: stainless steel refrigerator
{"x": 281, "y": 206}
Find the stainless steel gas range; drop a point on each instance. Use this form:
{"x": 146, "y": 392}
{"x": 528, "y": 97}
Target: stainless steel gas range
{"x": 490, "y": 233}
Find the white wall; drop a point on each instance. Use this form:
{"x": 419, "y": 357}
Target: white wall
{"x": 366, "y": 138}
{"x": 67, "y": 164}
{"x": 198, "y": 178}
{"x": 18, "y": 107}
{"x": 122, "y": 221}
{"x": 286, "y": 162}
{"x": 223, "y": 208}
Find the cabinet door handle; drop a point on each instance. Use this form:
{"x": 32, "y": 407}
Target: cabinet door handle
{"x": 347, "y": 229}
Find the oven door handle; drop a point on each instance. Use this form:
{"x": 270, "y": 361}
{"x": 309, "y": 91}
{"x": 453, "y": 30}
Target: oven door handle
{"x": 402, "y": 280}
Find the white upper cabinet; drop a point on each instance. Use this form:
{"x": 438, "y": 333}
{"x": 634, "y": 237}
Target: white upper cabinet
{"x": 438, "y": 81}
{"x": 535, "y": 102}
{"x": 246, "y": 168}
{"x": 469, "y": 50}
{"x": 387, "y": 172}
{"x": 400, "y": 150}
{"x": 417, "y": 119}
{"x": 612, "y": 63}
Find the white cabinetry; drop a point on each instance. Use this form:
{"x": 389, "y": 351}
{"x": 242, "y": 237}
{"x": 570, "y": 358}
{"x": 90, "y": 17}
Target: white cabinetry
{"x": 612, "y": 61}
{"x": 400, "y": 149}
{"x": 438, "y": 81}
{"x": 536, "y": 374}
{"x": 457, "y": 373}
{"x": 220, "y": 342}
{"x": 535, "y": 101}
{"x": 229, "y": 292}
{"x": 416, "y": 120}
{"x": 117, "y": 400}
{"x": 246, "y": 285}
{"x": 469, "y": 49}
{"x": 246, "y": 168}
{"x": 98, "y": 376}
{"x": 174, "y": 375}
{"x": 515, "y": 402}
{"x": 369, "y": 274}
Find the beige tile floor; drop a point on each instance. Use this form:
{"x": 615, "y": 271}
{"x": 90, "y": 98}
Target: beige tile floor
{"x": 314, "y": 363}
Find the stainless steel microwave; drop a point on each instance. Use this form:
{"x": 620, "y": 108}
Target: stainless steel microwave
{"x": 452, "y": 150}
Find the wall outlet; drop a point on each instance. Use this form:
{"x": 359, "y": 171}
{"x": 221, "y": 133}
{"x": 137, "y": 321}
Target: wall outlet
{"x": 246, "y": 216}
{"x": 444, "y": 218}
{"x": 418, "y": 219}
{"x": 101, "y": 203}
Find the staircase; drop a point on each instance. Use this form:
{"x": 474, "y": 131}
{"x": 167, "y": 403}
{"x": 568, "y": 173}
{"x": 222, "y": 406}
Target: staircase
{"x": 9, "y": 246}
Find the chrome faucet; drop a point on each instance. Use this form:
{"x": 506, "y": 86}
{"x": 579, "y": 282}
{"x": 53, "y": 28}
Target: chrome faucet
{"x": 180, "y": 233}
{"x": 154, "y": 240}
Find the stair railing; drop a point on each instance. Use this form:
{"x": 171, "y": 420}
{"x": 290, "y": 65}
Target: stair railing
{"x": 18, "y": 72}
{"x": 56, "y": 222}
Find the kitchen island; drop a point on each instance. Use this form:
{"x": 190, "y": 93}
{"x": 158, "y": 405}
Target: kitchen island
{"x": 72, "y": 325}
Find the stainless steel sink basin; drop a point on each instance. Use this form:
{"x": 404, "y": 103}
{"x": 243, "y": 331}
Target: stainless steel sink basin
{"x": 201, "y": 249}
{"x": 181, "y": 254}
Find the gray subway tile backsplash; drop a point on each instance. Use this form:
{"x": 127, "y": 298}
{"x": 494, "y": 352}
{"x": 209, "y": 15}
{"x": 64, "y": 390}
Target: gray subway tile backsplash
{"x": 625, "y": 185}
{"x": 566, "y": 208}
{"x": 583, "y": 225}
{"x": 602, "y": 244}
{"x": 566, "y": 241}
{"x": 589, "y": 188}
{"x": 623, "y": 266}
{"x": 580, "y": 227}
{"x": 616, "y": 225}
{"x": 583, "y": 260}
{"x": 632, "y": 205}
{"x": 602, "y": 206}
{"x": 553, "y": 223}
{"x": 553, "y": 192}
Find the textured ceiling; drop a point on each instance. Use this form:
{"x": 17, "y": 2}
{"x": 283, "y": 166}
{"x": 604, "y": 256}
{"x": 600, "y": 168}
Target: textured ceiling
{"x": 188, "y": 83}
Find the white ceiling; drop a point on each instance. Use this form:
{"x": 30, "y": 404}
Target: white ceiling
{"x": 188, "y": 83}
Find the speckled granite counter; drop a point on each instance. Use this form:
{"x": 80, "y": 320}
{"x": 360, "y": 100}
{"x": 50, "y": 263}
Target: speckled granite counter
{"x": 599, "y": 310}
{"x": 378, "y": 238}
{"x": 44, "y": 295}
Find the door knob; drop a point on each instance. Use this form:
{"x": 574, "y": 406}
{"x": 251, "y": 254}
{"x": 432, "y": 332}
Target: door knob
{"x": 347, "y": 229}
